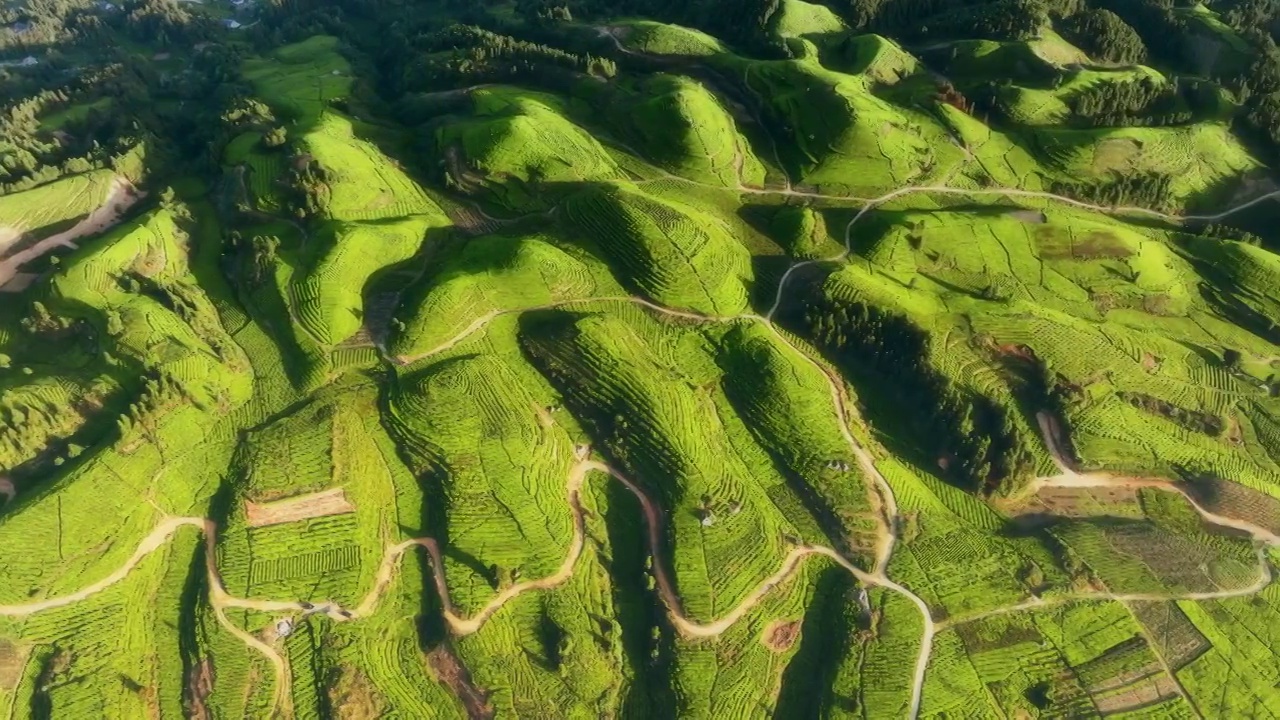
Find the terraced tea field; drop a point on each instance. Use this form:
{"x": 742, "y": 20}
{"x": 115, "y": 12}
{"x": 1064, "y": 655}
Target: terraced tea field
{"x": 652, "y": 374}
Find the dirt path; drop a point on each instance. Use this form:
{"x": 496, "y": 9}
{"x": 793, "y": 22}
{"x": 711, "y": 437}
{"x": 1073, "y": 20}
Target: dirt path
{"x": 483, "y": 321}
{"x": 218, "y": 597}
{"x": 152, "y": 542}
{"x": 882, "y": 491}
{"x": 120, "y": 198}
{"x": 1265, "y": 578}
{"x": 1070, "y": 478}
{"x": 1111, "y": 480}
{"x": 873, "y": 203}
{"x": 7, "y": 490}
{"x": 221, "y": 600}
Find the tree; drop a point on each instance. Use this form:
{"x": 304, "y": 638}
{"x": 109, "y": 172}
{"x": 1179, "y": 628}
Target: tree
{"x": 275, "y": 138}
{"x": 1106, "y": 36}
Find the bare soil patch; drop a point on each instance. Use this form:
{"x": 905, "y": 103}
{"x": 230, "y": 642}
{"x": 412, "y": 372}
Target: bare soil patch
{"x": 196, "y": 693}
{"x": 12, "y": 660}
{"x": 450, "y": 671}
{"x": 19, "y": 283}
{"x": 1083, "y": 502}
{"x": 302, "y": 507}
{"x": 9, "y": 237}
{"x": 1154, "y": 689}
{"x": 1235, "y": 500}
{"x": 1034, "y": 217}
{"x": 353, "y": 697}
{"x": 781, "y": 635}
{"x": 1177, "y": 638}
{"x": 120, "y": 198}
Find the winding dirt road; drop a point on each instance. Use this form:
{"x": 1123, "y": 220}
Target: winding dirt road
{"x": 221, "y": 600}
{"x": 120, "y": 197}
{"x": 218, "y": 596}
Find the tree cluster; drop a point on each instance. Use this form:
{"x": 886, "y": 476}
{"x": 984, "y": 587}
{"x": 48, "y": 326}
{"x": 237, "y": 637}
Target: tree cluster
{"x": 1223, "y": 231}
{"x": 1149, "y": 190}
{"x": 1147, "y": 102}
{"x": 971, "y": 436}
{"x": 463, "y": 55}
{"x": 1105, "y": 36}
{"x": 945, "y": 19}
{"x": 1167, "y": 35}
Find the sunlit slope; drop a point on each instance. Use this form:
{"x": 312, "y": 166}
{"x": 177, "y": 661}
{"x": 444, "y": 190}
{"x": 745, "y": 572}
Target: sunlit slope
{"x": 135, "y": 294}
{"x": 516, "y": 140}
{"x": 672, "y": 252}
{"x": 379, "y": 215}
{"x": 498, "y": 274}
{"x": 683, "y": 127}
{"x": 720, "y": 380}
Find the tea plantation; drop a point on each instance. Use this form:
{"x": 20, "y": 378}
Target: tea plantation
{"x": 607, "y": 358}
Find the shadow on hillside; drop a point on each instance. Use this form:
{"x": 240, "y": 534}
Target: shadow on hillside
{"x": 826, "y": 634}
{"x": 1230, "y": 192}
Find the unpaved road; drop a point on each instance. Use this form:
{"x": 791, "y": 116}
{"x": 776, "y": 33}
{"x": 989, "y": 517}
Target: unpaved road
{"x": 1265, "y": 578}
{"x": 1070, "y": 478}
{"x": 120, "y": 198}
{"x": 873, "y": 203}
{"x": 221, "y": 600}
{"x": 218, "y": 596}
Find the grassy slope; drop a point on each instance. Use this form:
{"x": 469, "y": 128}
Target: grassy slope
{"x": 473, "y": 445}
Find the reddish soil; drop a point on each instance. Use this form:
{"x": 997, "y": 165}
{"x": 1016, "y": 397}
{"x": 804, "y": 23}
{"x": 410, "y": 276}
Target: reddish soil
{"x": 781, "y": 635}
{"x": 450, "y": 671}
{"x": 199, "y": 685}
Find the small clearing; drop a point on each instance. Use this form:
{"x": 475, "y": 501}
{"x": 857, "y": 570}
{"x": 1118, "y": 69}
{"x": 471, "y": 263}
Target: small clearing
{"x": 122, "y": 196}
{"x": 445, "y": 664}
{"x": 781, "y": 635}
{"x": 12, "y": 661}
{"x": 302, "y": 507}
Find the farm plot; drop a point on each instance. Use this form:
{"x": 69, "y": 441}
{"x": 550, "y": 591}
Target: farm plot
{"x": 651, "y": 392}
{"x": 139, "y": 287}
{"x": 787, "y": 404}
{"x": 328, "y": 295}
{"x": 1136, "y": 557}
{"x": 515, "y": 141}
{"x": 1237, "y": 675}
{"x": 300, "y": 80}
{"x": 676, "y": 254}
{"x": 493, "y": 274}
{"x": 1075, "y": 660}
{"x": 495, "y": 463}
{"x": 309, "y": 514}
{"x": 685, "y": 129}
{"x": 568, "y": 651}
{"x": 48, "y": 208}
{"x": 114, "y": 655}
{"x": 1196, "y": 157}
{"x": 841, "y": 137}
{"x": 958, "y": 554}
{"x": 362, "y": 182}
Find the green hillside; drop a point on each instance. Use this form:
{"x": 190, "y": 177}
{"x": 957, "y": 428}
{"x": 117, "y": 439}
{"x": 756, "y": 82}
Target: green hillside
{"x": 619, "y": 359}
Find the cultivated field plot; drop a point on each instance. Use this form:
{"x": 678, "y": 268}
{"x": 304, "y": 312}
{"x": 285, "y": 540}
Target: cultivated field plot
{"x": 49, "y": 208}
